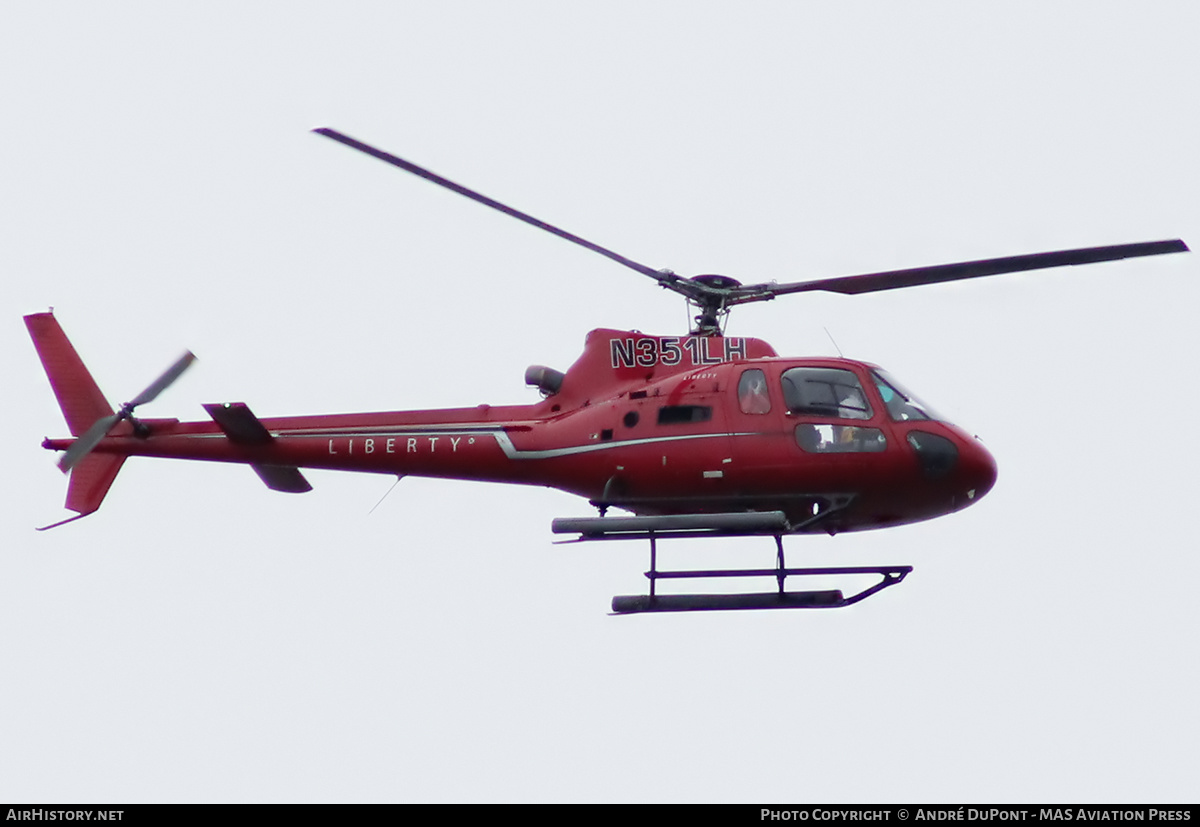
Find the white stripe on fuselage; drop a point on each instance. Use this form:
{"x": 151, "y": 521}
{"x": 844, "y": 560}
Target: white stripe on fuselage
{"x": 502, "y": 439}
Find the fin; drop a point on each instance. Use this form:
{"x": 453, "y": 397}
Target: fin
{"x": 89, "y": 483}
{"x": 79, "y": 397}
{"x": 82, "y": 405}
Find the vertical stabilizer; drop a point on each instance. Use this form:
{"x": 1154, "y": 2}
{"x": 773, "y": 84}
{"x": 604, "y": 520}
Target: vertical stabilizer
{"x": 82, "y": 405}
{"x": 79, "y": 397}
{"x": 90, "y": 481}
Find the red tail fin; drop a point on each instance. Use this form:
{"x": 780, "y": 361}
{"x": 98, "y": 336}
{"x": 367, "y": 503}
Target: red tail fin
{"x": 78, "y": 396}
{"x": 90, "y": 481}
{"x": 82, "y": 404}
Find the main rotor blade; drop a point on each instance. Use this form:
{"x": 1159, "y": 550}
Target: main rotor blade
{"x": 83, "y": 446}
{"x": 666, "y": 279}
{"x": 163, "y": 382}
{"x": 892, "y": 279}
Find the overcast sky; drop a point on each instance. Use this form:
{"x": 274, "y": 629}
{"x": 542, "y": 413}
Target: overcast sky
{"x": 202, "y": 638}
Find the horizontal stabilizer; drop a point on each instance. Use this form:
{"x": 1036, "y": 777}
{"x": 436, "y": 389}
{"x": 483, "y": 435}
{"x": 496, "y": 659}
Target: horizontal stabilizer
{"x": 286, "y": 478}
{"x": 239, "y": 423}
{"x": 244, "y": 428}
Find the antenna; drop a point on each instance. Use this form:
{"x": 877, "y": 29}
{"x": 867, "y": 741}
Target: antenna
{"x": 835, "y": 344}
{"x": 385, "y": 494}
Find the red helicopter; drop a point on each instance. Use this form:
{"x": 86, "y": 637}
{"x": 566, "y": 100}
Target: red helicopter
{"x": 702, "y": 435}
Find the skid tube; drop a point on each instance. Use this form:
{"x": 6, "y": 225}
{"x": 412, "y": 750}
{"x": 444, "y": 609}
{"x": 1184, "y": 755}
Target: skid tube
{"x": 779, "y": 599}
{"x": 772, "y": 523}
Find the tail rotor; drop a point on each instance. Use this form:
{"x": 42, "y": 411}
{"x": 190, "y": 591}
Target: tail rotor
{"x": 103, "y": 426}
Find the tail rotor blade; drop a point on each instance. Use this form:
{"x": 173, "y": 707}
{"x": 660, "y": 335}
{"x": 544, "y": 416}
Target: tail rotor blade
{"x": 83, "y": 446}
{"x": 163, "y": 382}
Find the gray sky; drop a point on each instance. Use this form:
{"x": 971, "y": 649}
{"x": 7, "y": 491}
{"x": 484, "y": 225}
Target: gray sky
{"x": 202, "y": 638}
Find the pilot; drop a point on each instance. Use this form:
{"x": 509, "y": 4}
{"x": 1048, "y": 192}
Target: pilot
{"x": 852, "y": 405}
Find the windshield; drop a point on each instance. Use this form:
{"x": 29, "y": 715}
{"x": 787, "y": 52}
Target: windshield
{"x": 901, "y": 404}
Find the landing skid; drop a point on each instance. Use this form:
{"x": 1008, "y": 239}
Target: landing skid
{"x": 723, "y": 525}
{"x": 780, "y": 599}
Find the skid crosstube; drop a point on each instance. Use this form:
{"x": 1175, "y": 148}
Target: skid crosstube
{"x": 739, "y": 524}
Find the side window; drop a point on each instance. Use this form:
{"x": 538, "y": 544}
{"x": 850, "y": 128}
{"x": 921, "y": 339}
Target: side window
{"x": 752, "y": 392}
{"x": 839, "y": 439}
{"x": 824, "y": 392}
{"x": 680, "y": 414}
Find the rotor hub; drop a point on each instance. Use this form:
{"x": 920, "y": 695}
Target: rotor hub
{"x": 716, "y": 282}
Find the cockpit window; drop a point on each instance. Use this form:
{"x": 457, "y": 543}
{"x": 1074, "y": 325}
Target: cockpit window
{"x": 902, "y": 405}
{"x": 824, "y": 392}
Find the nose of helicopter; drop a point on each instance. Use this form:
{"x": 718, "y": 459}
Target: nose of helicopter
{"x": 976, "y": 471}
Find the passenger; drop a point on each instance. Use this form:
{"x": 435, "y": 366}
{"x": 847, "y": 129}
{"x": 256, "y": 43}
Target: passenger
{"x": 753, "y": 397}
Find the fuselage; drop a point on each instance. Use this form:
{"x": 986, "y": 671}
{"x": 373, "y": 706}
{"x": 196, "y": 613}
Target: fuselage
{"x": 653, "y": 425}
